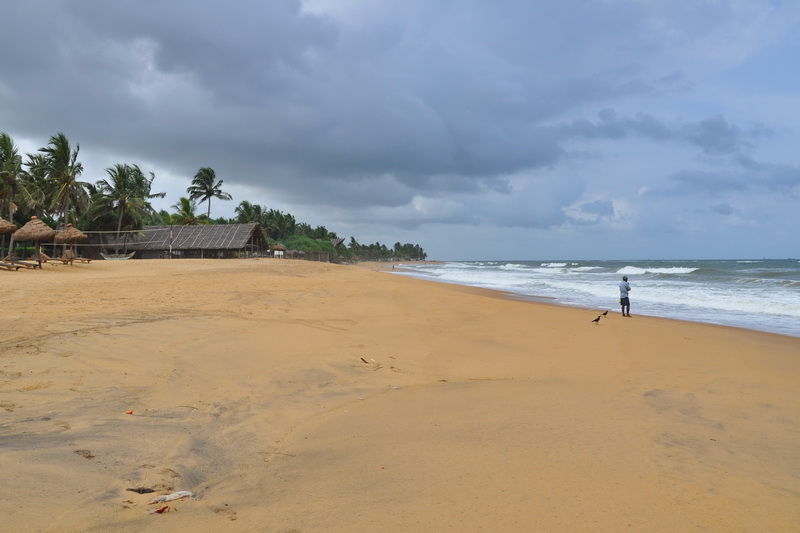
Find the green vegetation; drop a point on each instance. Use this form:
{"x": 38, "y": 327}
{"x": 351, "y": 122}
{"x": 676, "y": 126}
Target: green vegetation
{"x": 46, "y": 185}
{"x": 284, "y": 229}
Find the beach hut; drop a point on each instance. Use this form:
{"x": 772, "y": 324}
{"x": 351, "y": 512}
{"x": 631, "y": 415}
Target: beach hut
{"x": 201, "y": 242}
{"x": 278, "y": 250}
{"x": 71, "y": 235}
{"x": 36, "y": 231}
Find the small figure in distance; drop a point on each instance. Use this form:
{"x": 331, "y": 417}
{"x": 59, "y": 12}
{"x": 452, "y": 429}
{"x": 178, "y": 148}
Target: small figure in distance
{"x": 625, "y": 302}
{"x": 605, "y": 313}
{"x": 597, "y": 320}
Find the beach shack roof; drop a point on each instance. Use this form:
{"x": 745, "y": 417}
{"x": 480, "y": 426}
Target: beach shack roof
{"x": 35, "y": 230}
{"x": 7, "y": 227}
{"x": 210, "y": 237}
{"x": 70, "y": 235}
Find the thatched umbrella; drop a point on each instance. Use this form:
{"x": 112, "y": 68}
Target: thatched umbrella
{"x": 7, "y": 227}
{"x": 71, "y": 235}
{"x": 36, "y": 231}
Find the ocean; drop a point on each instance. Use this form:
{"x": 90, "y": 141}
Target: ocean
{"x": 762, "y": 295}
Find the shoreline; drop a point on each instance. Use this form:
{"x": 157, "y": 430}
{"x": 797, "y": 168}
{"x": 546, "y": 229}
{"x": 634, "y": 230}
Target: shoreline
{"x": 309, "y": 396}
{"x": 384, "y": 267}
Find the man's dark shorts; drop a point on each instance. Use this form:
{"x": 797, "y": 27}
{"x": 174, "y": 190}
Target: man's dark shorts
{"x": 625, "y": 301}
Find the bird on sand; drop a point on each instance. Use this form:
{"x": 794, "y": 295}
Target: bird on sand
{"x": 597, "y": 320}
{"x": 606, "y": 313}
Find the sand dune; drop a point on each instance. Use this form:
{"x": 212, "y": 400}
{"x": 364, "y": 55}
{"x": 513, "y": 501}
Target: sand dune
{"x": 295, "y": 396}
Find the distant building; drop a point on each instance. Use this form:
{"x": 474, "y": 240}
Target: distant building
{"x": 278, "y": 251}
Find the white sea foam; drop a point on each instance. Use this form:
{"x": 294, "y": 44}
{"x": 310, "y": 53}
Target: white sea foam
{"x": 514, "y": 266}
{"x": 630, "y": 270}
{"x": 722, "y": 292}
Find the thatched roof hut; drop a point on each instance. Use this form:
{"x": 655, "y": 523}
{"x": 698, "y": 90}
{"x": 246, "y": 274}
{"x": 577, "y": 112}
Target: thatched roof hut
{"x": 7, "y": 227}
{"x": 214, "y": 240}
{"x": 35, "y": 230}
{"x": 70, "y": 235}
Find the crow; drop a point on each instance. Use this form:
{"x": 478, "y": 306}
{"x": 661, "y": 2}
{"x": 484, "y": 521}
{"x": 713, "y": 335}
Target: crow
{"x": 606, "y": 313}
{"x": 597, "y": 320}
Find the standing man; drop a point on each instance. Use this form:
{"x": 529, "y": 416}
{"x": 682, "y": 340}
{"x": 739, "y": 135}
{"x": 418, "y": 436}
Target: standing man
{"x": 624, "y": 289}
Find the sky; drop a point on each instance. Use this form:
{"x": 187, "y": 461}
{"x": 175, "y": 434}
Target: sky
{"x": 480, "y": 130}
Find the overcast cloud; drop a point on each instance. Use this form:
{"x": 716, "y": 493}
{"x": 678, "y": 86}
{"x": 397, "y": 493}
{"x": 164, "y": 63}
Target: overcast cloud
{"x": 515, "y": 129}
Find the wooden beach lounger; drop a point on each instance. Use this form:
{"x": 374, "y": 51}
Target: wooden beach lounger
{"x": 26, "y": 264}
{"x": 67, "y": 258}
{"x": 69, "y": 255}
{"x": 47, "y": 259}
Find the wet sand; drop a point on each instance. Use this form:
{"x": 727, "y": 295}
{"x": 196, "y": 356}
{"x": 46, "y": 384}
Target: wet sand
{"x": 298, "y": 396}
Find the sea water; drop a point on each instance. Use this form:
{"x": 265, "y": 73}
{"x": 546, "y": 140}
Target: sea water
{"x": 762, "y": 295}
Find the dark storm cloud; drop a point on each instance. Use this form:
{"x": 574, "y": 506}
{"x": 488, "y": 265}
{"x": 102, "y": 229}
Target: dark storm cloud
{"x": 740, "y": 174}
{"x": 256, "y": 85}
{"x": 713, "y": 135}
{"x": 778, "y": 178}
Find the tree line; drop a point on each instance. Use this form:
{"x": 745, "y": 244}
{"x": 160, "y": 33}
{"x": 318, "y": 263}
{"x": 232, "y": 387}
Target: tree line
{"x": 47, "y": 184}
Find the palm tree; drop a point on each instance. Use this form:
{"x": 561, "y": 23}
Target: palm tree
{"x": 32, "y": 188}
{"x": 278, "y": 224}
{"x": 205, "y": 187}
{"x": 304, "y": 228}
{"x": 125, "y": 193}
{"x": 162, "y": 218}
{"x": 10, "y": 171}
{"x": 247, "y": 212}
{"x": 187, "y": 213}
{"x": 321, "y": 232}
{"x": 63, "y": 169}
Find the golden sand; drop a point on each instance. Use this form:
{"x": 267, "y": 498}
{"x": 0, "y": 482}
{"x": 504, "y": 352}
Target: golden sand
{"x": 295, "y": 396}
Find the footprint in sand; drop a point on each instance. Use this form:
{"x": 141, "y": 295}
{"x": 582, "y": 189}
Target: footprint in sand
{"x": 225, "y": 512}
{"x": 8, "y": 406}
{"x": 36, "y": 386}
{"x": 169, "y": 472}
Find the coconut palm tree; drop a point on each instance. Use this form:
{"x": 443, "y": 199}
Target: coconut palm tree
{"x": 10, "y": 171}
{"x": 32, "y": 187}
{"x": 248, "y": 212}
{"x": 187, "y": 213}
{"x": 63, "y": 169}
{"x": 125, "y": 193}
{"x": 162, "y": 218}
{"x": 205, "y": 187}
{"x": 278, "y": 224}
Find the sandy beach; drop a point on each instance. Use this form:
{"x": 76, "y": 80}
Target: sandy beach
{"x": 292, "y": 396}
